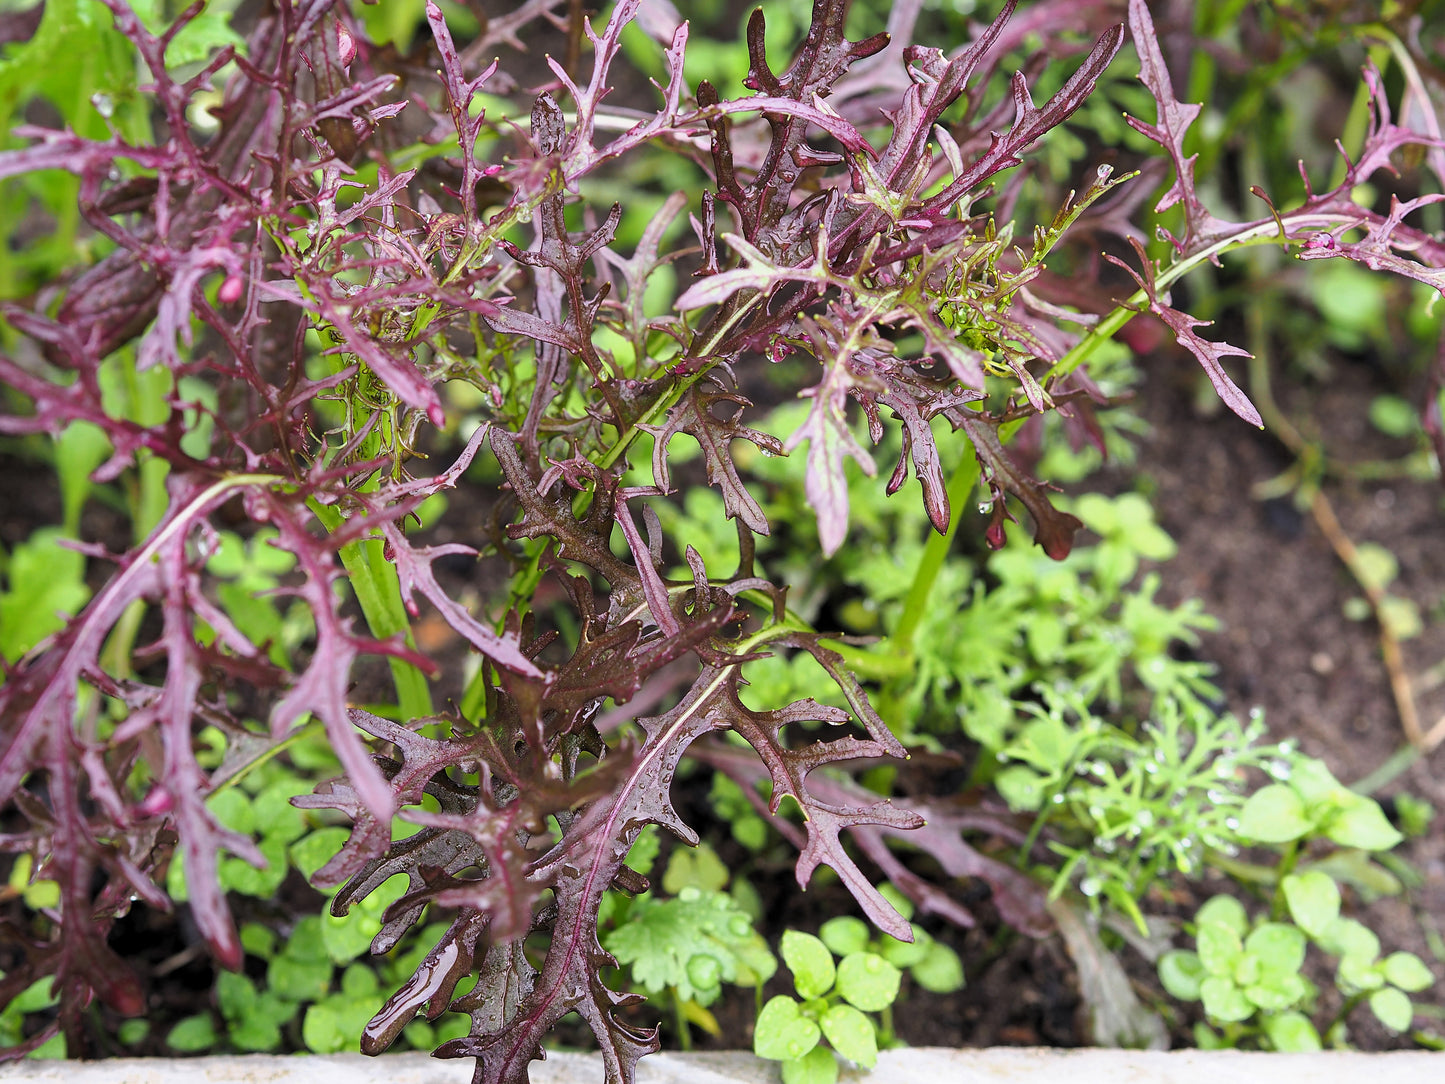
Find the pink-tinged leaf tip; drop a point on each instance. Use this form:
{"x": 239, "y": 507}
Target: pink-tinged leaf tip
{"x": 231, "y": 290}
{"x": 345, "y": 45}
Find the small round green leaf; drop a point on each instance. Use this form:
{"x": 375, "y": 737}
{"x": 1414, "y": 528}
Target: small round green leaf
{"x": 1219, "y": 948}
{"x": 1022, "y": 788}
{"x": 299, "y": 980}
{"x": 941, "y": 972}
{"x": 1357, "y": 973}
{"x": 896, "y": 899}
{"x": 349, "y": 936}
{"x": 1347, "y": 937}
{"x": 1392, "y": 1008}
{"x": 276, "y": 817}
{"x": 1206, "y": 1038}
{"x": 868, "y": 981}
{"x": 845, "y": 934}
{"x": 783, "y": 1033}
{"x": 697, "y": 866}
{"x": 1181, "y": 972}
{"x": 192, "y": 1034}
{"x": 240, "y": 876}
{"x": 358, "y": 981}
{"x": 258, "y": 940}
{"x": 904, "y": 954}
{"x": 232, "y": 808}
{"x": 236, "y": 995}
{"x": 1292, "y": 1033}
{"x": 1376, "y": 566}
{"x": 1224, "y": 1001}
{"x": 1223, "y": 911}
{"x": 311, "y": 852}
{"x": 1362, "y": 824}
{"x": 1277, "y": 992}
{"x": 1408, "y": 972}
{"x": 1247, "y": 970}
{"x": 255, "y": 1034}
{"x": 321, "y": 1030}
{"x": 818, "y": 1066}
{"x": 1280, "y": 948}
{"x": 34, "y": 997}
{"x": 851, "y": 1034}
{"x": 810, "y": 962}
{"x": 1314, "y": 900}
{"x": 1394, "y": 416}
{"x": 1273, "y": 814}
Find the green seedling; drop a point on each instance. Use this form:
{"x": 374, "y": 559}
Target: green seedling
{"x": 833, "y": 1003}
{"x": 931, "y": 964}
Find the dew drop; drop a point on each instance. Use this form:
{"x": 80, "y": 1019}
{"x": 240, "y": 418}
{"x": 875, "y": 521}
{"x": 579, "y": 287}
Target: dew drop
{"x": 704, "y": 972}
{"x": 103, "y": 103}
{"x": 1090, "y": 886}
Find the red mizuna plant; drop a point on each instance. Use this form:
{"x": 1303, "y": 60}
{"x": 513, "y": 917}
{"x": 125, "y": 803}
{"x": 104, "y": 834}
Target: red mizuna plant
{"x": 830, "y": 231}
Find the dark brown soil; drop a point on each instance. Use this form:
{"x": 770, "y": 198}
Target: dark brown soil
{"x": 1269, "y": 574}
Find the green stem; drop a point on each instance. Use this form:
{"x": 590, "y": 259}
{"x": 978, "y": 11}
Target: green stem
{"x": 935, "y": 552}
{"x": 1242, "y": 871}
{"x": 1278, "y": 905}
{"x": 1261, "y": 233}
{"x": 684, "y": 1035}
{"x": 315, "y": 726}
{"x": 1348, "y": 1007}
{"x": 673, "y": 395}
{"x": 1395, "y": 764}
{"x": 378, "y": 590}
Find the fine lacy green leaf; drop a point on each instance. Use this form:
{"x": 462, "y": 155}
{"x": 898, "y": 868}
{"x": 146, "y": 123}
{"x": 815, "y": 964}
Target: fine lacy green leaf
{"x": 692, "y": 943}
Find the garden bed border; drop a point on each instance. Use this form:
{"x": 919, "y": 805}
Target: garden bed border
{"x": 1014, "y": 1065}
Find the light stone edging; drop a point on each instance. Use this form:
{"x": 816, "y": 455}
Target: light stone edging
{"x": 922, "y": 1065}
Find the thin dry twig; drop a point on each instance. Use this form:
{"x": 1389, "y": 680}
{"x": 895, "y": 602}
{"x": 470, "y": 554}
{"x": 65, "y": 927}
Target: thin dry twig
{"x": 1345, "y": 550}
{"x": 1288, "y": 434}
